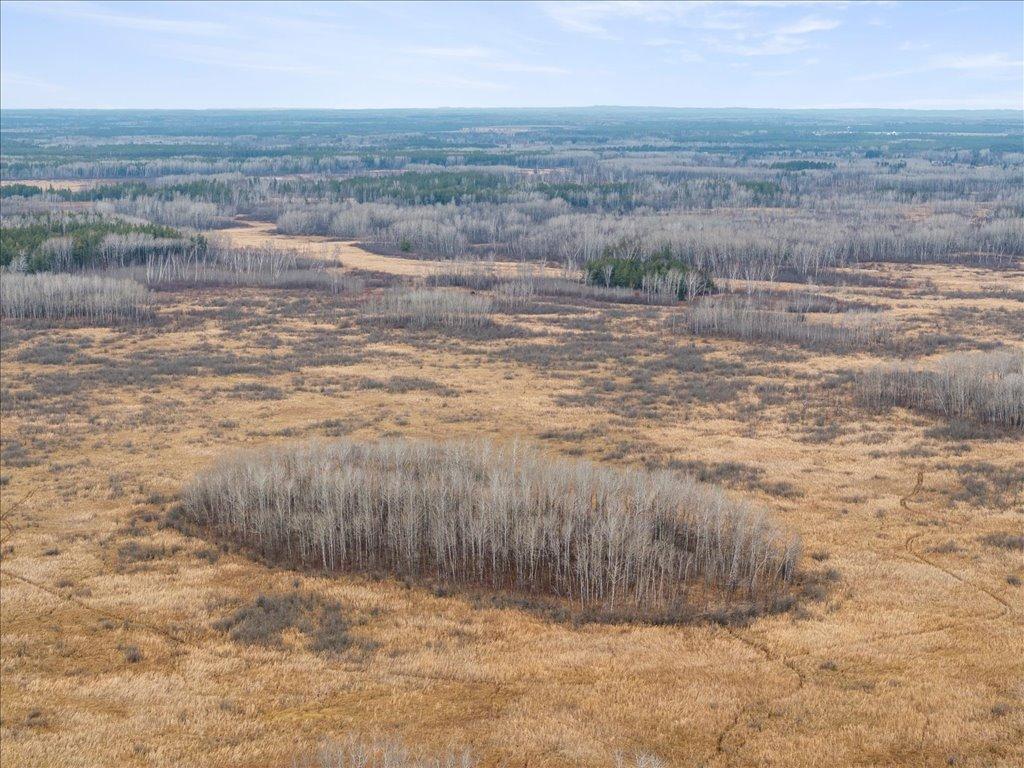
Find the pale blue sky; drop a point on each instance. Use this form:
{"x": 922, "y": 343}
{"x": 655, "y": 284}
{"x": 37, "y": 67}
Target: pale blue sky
{"x": 376, "y": 54}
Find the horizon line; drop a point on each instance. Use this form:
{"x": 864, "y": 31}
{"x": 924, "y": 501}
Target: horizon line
{"x": 510, "y": 109}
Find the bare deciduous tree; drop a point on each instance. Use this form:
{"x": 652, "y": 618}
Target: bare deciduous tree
{"x": 502, "y": 516}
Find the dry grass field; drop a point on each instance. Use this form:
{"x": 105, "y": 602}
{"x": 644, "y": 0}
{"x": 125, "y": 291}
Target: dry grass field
{"x": 131, "y": 639}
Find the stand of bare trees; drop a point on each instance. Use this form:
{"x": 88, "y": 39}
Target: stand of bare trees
{"x": 504, "y": 517}
{"x": 259, "y": 267}
{"x": 426, "y": 307}
{"x": 985, "y": 387}
{"x": 61, "y": 297}
{"x": 516, "y": 291}
{"x": 748, "y": 320}
{"x": 753, "y": 245}
{"x": 180, "y": 211}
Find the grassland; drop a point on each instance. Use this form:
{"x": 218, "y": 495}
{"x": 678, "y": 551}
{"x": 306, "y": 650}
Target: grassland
{"x": 543, "y": 438}
{"x": 121, "y": 640}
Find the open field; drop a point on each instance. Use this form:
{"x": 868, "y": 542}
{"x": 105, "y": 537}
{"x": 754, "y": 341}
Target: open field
{"x": 72, "y": 185}
{"x": 102, "y": 427}
{"x": 719, "y": 530}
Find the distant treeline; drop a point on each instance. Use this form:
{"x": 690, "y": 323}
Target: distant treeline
{"x": 731, "y": 194}
{"x": 197, "y": 189}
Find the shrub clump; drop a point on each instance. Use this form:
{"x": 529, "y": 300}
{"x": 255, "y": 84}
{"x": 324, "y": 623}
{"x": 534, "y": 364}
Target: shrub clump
{"x": 264, "y": 620}
{"x": 507, "y": 518}
{"x": 748, "y": 321}
{"x": 426, "y": 308}
{"x": 62, "y": 297}
{"x": 983, "y": 387}
{"x": 1013, "y": 541}
{"x": 658, "y": 275}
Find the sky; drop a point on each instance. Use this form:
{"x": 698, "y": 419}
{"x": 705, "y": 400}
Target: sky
{"x": 915, "y": 55}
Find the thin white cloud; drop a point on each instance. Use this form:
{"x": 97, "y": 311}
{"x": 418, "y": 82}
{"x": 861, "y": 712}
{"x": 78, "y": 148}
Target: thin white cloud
{"x": 527, "y": 68}
{"x": 580, "y": 17}
{"x": 484, "y": 58}
{"x": 682, "y": 50}
{"x": 237, "y": 58}
{"x": 312, "y": 24}
{"x": 739, "y": 28}
{"x": 802, "y": 3}
{"x": 807, "y": 25}
{"x": 775, "y": 41}
{"x": 776, "y": 72}
{"x": 461, "y": 83}
{"x": 778, "y": 45}
{"x": 594, "y": 18}
{"x": 107, "y": 16}
{"x": 18, "y": 80}
{"x": 662, "y": 42}
{"x": 591, "y": 17}
{"x": 977, "y": 63}
{"x": 442, "y": 52}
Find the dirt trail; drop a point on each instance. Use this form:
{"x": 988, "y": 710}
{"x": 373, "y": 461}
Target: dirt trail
{"x": 351, "y": 256}
{"x": 723, "y": 752}
{"x": 121, "y": 618}
{"x": 1005, "y": 608}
